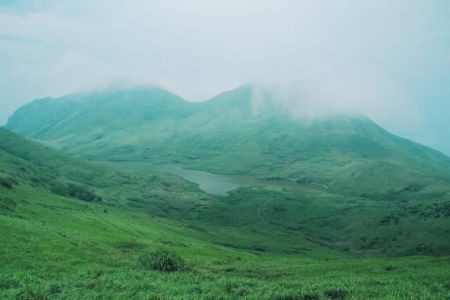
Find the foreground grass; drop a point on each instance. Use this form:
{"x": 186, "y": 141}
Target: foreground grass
{"x": 54, "y": 247}
{"x": 413, "y": 278}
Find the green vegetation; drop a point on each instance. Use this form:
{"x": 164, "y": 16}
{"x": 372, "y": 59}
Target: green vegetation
{"x": 162, "y": 260}
{"x": 57, "y": 247}
{"x": 340, "y": 208}
{"x": 349, "y": 155}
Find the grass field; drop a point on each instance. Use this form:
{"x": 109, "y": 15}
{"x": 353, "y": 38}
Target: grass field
{"x": 55, "y": 247}
{"x": 77, "y": 229}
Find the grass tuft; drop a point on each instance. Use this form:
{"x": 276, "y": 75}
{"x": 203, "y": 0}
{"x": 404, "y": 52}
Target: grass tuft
{"x": 162, "y": 260}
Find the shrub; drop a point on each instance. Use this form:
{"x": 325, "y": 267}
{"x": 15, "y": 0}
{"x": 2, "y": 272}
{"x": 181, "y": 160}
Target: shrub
{"x": 297, "y": 297}
{"x": 258, "y": 248}
{"x": 9, "y": 282}
{"x": 389, "y": 268}
{"x": 161, "y": 260}
{"x": 54, "y": 288}
{"x": 7, "y": 204}
{"x": 7, "y": 182}
{"x": 77, "y": 192}
{"x": 129, "y": 246}
{"x": 336, "y": 294}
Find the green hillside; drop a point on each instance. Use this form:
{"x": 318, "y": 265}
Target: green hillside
{"x": 324, "y": 193}
{"x": 227, "y": 135}
{"x": 23, "y": 163}
{"x": 340, "y": 181}
{"x": 57, "y": 248}
{"x": 67, "y": 231}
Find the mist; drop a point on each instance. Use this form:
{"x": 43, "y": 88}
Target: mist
{"x": 389, "y": 60}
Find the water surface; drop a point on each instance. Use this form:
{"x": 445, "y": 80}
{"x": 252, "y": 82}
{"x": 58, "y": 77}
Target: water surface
{"x": 215, "y": 184}
{"x": 211, "y": 183}
{"x": 208, "y": 182}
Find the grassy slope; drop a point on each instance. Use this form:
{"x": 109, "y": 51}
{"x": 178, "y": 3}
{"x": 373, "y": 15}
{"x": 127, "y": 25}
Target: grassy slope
{"x": 60, "y": 247}
{"x": 57, "y": 247}
{"x": 35, "y": 165}
{"x": 156, "y": 194}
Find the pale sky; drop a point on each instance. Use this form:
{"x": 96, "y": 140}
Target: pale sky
{"x": 388, "y": 59}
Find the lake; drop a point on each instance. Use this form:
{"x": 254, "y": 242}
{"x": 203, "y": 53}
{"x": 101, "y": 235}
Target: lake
{"x": 211, "y": 183}
{"x": 216, "y": 184}
{"x": 208, "y": 182}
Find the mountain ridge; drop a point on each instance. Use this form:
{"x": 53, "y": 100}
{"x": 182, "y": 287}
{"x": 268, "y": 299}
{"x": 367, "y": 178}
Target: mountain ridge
{"x": 237, "y": 97}
{"x": 224, "y": 135}
{"x": 343, "y": 182}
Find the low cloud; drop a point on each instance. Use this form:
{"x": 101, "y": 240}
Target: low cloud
{"x": 386, "y": 59}
{"x": 308, "y": 100}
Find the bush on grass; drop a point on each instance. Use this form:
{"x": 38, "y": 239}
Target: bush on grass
{"x": 162, "y": 260}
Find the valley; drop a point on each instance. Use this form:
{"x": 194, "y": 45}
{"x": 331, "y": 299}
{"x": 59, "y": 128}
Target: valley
{"x": 252, "y": 206}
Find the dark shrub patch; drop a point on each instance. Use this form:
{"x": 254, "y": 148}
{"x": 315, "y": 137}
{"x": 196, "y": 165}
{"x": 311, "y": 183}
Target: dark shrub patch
{"x": 229, "y": 287}
{"x": 77, "y": 192}
{"x": 31, "y": 292}
{"x": 310, "y": 297}
{"x": 7, "y": 182}
{"x": 336, "y": 294}
{"x": 413, "y": 188}
{"x": 229, "y": 269}
{"x": 9, "y": 282}
{"x": 297, "y": 297}
{"x": 162, "y": 260}
{"x": 54, "y": 288}
{"x": 7, "y": 204}
{"x": 258, "y": 248}
{"x": 172, "y": 243}
{"x": 129, "y": 246}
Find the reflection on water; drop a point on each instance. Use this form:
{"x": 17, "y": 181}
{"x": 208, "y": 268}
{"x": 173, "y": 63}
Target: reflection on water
{"x": 217, "y": 184}
{"x": 208, "y": 182}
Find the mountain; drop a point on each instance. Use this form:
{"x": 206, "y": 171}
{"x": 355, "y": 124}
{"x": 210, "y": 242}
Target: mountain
{"x": 317, "y": 179}
{"x": 341, "y": 181}
{"x": 327, "y": 194}
{"x": 227, "y": 134}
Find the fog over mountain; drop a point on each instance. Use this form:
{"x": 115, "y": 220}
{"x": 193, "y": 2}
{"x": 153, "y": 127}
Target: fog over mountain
{"x": 394, "y": 66}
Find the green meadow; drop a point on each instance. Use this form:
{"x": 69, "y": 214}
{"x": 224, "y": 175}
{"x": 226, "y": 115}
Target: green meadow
{"x": 58, "y": 248}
